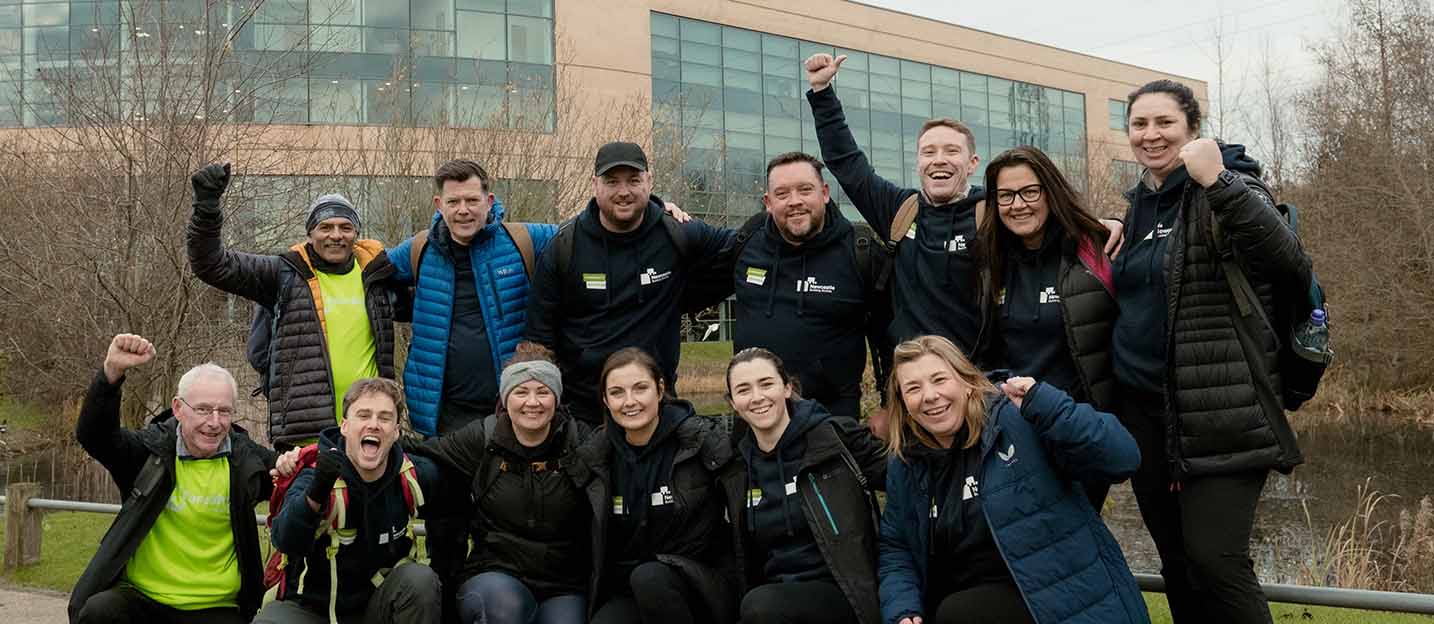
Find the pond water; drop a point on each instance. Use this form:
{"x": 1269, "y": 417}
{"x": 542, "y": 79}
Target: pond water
{"x": 1295, "y": 515}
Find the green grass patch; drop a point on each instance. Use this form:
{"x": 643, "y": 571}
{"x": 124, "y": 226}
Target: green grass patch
{"x": 70, "y": 539}
{"x": 1160, "y": 614}
{"x": 706, "y": 355}
{"x": 20, "y": 416}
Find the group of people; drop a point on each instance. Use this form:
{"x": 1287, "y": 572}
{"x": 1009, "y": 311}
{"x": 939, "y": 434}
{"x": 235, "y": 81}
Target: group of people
{"x": 1035, "y": 355}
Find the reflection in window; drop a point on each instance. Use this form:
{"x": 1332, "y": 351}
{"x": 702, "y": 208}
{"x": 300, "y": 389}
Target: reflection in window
{"x": 530, "y": 40}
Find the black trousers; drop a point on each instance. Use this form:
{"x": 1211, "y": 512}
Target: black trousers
{"x": 806, "y": 602}
{"x": 123, "y": 604}
{"x": 656, "y": 594}
{"x": 990, "y": 603}
{"x": 1201, "y": 526}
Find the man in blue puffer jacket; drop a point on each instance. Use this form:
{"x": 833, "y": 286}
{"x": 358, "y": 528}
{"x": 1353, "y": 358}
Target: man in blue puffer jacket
{"x": 470, "y": 301}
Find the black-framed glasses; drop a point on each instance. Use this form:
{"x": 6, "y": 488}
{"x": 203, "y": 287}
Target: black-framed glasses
{"x": 208, "y": 410}
{"x": 1029, "y": 194}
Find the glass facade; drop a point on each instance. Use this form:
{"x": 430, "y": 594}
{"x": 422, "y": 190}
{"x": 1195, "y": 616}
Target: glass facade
{"x": 736, "y": 97}
{"x": 475, "y": 63}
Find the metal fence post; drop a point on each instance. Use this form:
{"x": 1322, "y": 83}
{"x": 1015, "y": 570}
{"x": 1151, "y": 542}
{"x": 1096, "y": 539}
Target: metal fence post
{"x": 22, "y": 525}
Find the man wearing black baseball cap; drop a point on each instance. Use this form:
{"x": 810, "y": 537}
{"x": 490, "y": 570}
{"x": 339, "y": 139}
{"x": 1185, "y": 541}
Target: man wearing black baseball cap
{"x": 621, "y": 274}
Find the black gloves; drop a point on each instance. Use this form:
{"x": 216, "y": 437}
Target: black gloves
{"x": 326, "y": 471}
{"x": 209, "y": 182}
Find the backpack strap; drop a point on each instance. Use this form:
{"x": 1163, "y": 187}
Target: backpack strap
{"x": 415, "y": 252}
{"x": 749, "y": 228}
{"x": 565, "y": 242}
{"x": 678, "y": 234}
{"x": 905, "y": 216}
{"x": 1244, "y": 294}
{"x": 523, "y": 240}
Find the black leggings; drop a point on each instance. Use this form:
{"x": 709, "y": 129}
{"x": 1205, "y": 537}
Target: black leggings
{"x": 991, "y": 603}
{"x": 807, "y": 602}
{"x": 656, "y": 594}
{"x": 123, "y": 604}
{"x": 1201, "y": 530}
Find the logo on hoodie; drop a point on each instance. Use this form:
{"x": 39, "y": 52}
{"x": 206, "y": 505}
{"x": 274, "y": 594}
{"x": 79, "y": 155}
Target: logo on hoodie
{"x": 810, "y": 285}
{"x": 1049, "y": 295}
{"x": 651, "y": 276}
{"x": 957, "y": 244}
{"x": 1160, "y": 231}
{"x": 595, "y": 281}
{"x": 756, "y": 276}
{"x": 970, "y": 489}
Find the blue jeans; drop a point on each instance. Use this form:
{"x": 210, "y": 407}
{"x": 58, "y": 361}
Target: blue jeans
{"x": 496, "y": 598}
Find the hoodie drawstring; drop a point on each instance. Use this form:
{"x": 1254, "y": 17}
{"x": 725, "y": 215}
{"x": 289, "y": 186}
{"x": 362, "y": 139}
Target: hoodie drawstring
{"x": 774, "y": 278}
{"x": 786, "y": 499}
{"x": 950, "y": 229}
{"x": 802, "y": 293}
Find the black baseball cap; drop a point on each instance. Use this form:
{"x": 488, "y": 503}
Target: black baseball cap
{"x": 619, "y": 154}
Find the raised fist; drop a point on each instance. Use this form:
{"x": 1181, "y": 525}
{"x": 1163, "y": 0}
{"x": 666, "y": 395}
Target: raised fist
{"x": 126, "y": 350}
{"x": 210, "y": 181}
{"x": 1202, "y": 161}
{"x": 821, "y": 68}
{"x": 1017, "y": 387}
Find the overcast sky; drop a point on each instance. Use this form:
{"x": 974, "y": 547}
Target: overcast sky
{"x": 1175, "y": 36}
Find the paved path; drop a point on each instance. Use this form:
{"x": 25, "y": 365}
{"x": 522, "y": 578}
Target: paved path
{"x": 32, "y": 606}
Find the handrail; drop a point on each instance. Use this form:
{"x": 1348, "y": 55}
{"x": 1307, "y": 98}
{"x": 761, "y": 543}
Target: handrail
{"x": 1339, "y": 597}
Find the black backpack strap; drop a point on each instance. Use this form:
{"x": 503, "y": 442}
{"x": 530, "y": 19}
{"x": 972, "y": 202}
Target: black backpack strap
{"x": 678, "y": 234}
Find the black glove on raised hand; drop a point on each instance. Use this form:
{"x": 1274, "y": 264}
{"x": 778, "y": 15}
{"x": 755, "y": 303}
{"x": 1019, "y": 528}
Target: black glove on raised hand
{"x": 209, "y": 182}
{"x": 326, "y": 470}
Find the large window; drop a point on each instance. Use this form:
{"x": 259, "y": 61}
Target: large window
{"x": 735, "y": 98}
{"x": 1117, "y": 114}
{"x": 476, "y": 63}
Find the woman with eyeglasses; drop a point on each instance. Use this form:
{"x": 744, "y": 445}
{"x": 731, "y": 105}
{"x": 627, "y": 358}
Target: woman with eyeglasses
{"x": 1197, "y": 365}
{"x": 983, "y": 521}
{"x": 1048, "y": 303}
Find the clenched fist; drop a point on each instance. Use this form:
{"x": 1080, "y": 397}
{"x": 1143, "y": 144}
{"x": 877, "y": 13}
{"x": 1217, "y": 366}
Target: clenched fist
{"x": 126, "y": 351}
{"x": 821, "y": 68}
{"x": 1202, "y": 161}
{"x": 209, "y": 182}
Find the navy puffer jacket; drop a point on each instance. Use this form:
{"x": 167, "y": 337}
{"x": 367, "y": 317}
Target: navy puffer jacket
{"x": 1066, "y": 563}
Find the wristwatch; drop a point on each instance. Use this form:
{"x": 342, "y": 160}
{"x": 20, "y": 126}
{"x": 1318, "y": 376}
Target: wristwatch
{"x": 1225, "y": 179}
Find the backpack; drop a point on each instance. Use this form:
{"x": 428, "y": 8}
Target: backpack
{"x": 522, "y": 239}
{"x": 1300, "y": 371}
{"x": 335, "y": 523}
{"x": 873, "y": 264}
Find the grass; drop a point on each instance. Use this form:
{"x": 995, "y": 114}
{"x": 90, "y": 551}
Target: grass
{"x": 1160, "y": 614}
{"x": 69, "y": 541}
{"x": 19, "y": 416}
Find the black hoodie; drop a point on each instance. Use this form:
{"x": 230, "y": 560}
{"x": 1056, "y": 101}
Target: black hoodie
{"x": 1033, "y": 327}
{"x": 621, "y": 290}
{"x": 963, "y": 550}
{"x": 934, "y": 281}
{"x": 642, "y": 476}
{"x": 1141, "y": 338}
{"x": 774, "y": 510}
{"x": 376, "y": 509}
{"x": 806, "y": 303}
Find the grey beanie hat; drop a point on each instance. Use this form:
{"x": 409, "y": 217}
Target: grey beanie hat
{"x": 328, "y": 207}
{"x": 542, "y": 371}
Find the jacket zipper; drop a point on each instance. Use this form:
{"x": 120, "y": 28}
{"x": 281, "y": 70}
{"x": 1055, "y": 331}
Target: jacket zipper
{"x": 823, "y": 500}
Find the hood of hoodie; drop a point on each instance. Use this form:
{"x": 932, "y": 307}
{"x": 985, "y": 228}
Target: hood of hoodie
{"x": 804, "y": 416}
{"x": 590, "y": 223}
{"x": 506, "y": 442}
{"x": 834, "y": 230}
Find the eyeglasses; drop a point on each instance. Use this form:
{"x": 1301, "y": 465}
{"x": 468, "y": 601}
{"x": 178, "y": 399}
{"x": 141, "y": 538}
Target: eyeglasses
{"x": 207, "y": 411}
{"x": 1029, "y": 194}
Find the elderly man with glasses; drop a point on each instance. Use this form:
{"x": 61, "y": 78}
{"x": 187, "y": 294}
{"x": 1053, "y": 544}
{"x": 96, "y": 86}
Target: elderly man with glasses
{"x": 185, "y": 545}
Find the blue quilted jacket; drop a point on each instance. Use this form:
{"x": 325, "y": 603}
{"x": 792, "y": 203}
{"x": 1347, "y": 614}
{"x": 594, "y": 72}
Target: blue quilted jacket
{"x": 502, "y": 292}
{"x": 1066, "y": 563}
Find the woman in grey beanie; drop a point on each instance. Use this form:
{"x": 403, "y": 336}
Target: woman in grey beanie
{"x": 530, "y": 561}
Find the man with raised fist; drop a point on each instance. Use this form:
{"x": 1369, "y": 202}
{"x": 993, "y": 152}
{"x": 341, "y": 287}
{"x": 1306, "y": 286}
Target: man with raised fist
{"x": 333, "y": 300}
{"x": 185, "y": 546}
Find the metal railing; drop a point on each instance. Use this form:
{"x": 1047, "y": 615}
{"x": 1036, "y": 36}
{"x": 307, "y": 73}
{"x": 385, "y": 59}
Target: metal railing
{"x": 1362, "y": 599}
